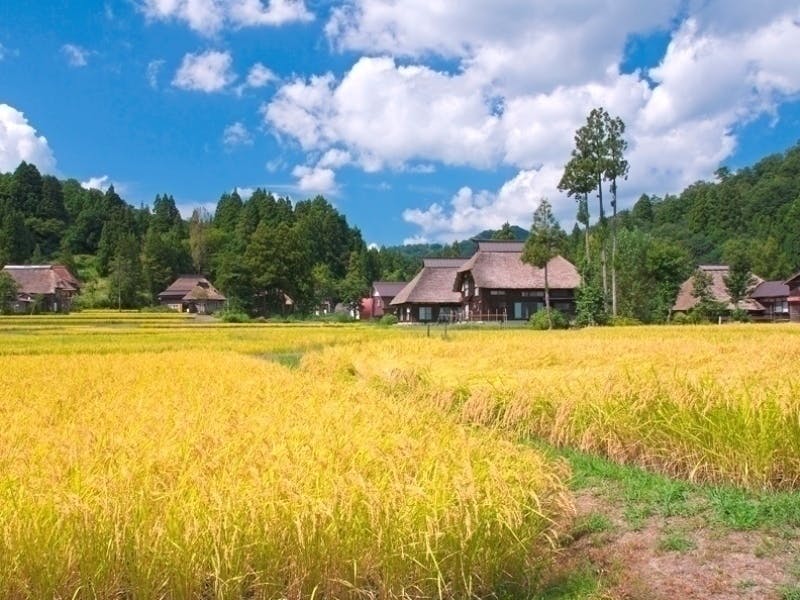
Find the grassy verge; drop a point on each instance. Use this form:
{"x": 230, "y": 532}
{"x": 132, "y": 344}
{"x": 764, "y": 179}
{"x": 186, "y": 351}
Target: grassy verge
{"x": 675, "y": 516}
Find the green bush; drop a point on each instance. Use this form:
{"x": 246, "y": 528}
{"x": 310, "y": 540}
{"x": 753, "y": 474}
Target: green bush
{"x": 539, "y": 319}
{"x": 680, "y": 319}
{"x": 158, "y": 308}
{"x": 387, "y": 320}
{"x": 233, "y": 316}
{"x": 740, "y": 315}
{"x": 624, "y": 321}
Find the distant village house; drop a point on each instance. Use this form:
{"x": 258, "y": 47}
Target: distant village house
{"x": 429, "y": 296}
{"x": 193, "y": 294}
{"x": 492, "y": 285}
{"x": 45, "y": 288}
{"x": 495, "y": 283}
{"x": 766, "y": 300}
{"x": 379, "y": 302}
{"x": 793, "y": 299}
{"x": 774, "y": 297}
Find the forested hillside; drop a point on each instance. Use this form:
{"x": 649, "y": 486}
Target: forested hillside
{"x": 751, "y": 217}
{"x": 255, "y": 249}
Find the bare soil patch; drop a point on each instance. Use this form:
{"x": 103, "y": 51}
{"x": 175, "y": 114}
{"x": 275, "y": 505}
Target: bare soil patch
{"x": 678, "y": 556}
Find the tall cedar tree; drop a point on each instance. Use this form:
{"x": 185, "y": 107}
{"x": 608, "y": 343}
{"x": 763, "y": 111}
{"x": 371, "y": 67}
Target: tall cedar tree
{"x": 578, "y": 181}
{"x": 616, "y": 168}
{"x": 598, "y": 156}
{"x": 542, "y": 246}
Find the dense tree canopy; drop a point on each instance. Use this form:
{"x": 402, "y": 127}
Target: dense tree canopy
{"x": 259, "y": 249}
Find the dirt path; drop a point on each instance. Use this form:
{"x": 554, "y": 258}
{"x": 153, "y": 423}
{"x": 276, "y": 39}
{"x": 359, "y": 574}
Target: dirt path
{"x": 679, "y": 557}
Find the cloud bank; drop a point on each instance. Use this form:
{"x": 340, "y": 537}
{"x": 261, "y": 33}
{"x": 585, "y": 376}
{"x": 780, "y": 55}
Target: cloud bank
{"x": 519, "y": 78}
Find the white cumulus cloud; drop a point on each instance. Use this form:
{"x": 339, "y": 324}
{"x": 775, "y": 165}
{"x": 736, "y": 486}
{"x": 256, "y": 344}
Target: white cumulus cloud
{"x": 208, "y": 71}
{"x": 259, "y": 76}
{"x": 101, "y": 183}
{"x": 236, "y": 134}
{"x": 388, "y": 115}
{"x": 19, "y": 141}
{"x": 315, "y": 180}
{"x": 527, "y": 75}
{"x": 208, "y": 17}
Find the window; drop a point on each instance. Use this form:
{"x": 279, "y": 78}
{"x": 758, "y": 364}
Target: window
{"x": 445, "y": 313}
{"x": 425, "y": 313}
{"x": 497, "y": 292}
{"x": 530, "y": 294}
{"x": 781, "y": 306}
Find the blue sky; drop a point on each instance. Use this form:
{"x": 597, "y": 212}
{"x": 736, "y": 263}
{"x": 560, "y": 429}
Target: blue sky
{"x": 419, "y": 120}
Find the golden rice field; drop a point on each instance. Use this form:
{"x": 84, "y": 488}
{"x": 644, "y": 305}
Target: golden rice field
{"x": 198, "y": 472}
{"x": 150, "y": 456}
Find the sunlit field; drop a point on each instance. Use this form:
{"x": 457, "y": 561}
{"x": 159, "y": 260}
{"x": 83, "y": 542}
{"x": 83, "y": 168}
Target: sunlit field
{"x": 705, "y": 403}
{"x": 205, "y": 470}
{"x": 147, "y": 456}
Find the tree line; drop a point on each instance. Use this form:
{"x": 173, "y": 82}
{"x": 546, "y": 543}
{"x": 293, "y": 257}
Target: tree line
{"x": 257, "y": 250}
{"x": 260, "y": 248}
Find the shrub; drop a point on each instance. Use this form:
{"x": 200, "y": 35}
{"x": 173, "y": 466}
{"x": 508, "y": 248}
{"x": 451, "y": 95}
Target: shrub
{"x": 590, "y": 306}
{"x": 233, "y": 316}
{"x": 341, "y": 317}
{"x": 539, "y": 319}
{"x": 158, "y": 308}
{"x": 740, "y": 315}
{"x": 624, "y": 321}
{"x": 680, "y": 319}
{"x": 387, "y": 320}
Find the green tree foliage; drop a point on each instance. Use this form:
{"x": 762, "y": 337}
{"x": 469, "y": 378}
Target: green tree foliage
{"x": 279, "y": 261}
{"x": 16, "y": 241}
{"x": 543, "y": 244}
{"x": 126, "y": 273}
{"x": 650, "y": 272}
{"x": 324, "y": 284}
{"x": 228, "y": 210}
{"x": 659, "y": 239}
{"x": 708, "y": 307}
{"x": 740, "y": 277}
{"x": 8, "y": 292}
{"x": 616, "y": 168}
{"x": 590, "y": 306}
{"x": 166, "y": 216}
{"x": 26, "y": 189}
{"x": 504, "y": 233}
{"x": 160, "y": 260}
{"x": 199, "y": 240}
{"x": 585, "y": 170}
{"x": 355, "y": 284}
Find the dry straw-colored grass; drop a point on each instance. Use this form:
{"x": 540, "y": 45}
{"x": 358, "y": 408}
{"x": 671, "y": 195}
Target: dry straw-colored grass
{"x": 718, "y": 404}
{"x": 208, "y": 473}
{"x": 152, "y": 457}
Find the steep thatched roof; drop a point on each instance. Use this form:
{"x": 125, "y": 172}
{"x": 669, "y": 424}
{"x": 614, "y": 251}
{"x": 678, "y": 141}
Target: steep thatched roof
{"x": 770, "y": 289}
{"x": 719, "y": 291}
{"x": 200, "y": 292}
{"x": 191, "y": 287}
{"x": 498, "y": 265}
{"x": 42, "y": 279}
{"x": 388, "y": 289}
{"x": 793, "y": 281}
{"x": 433, "y": 284}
